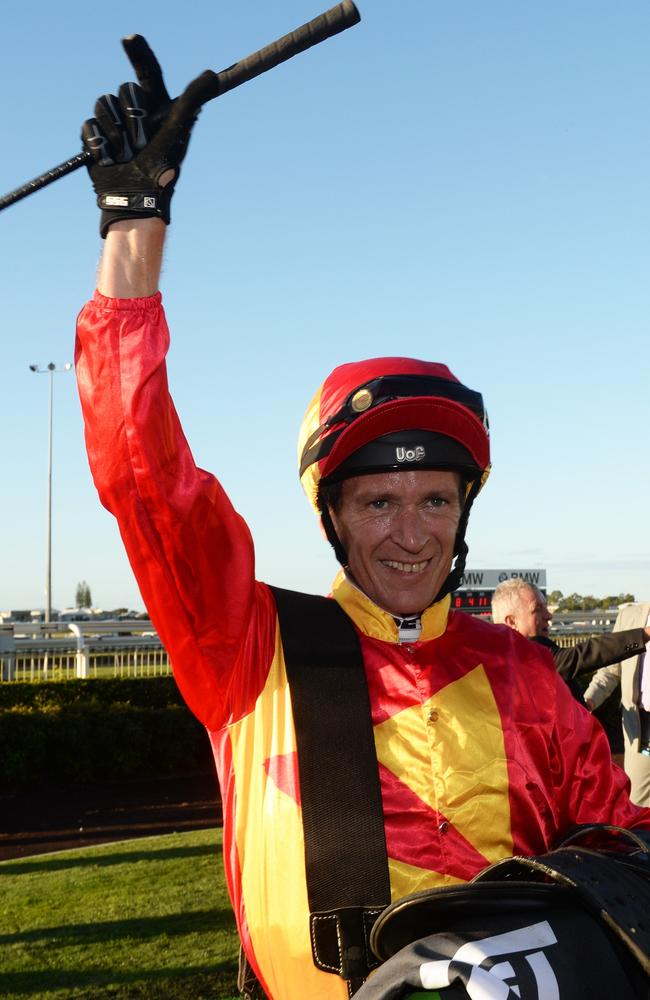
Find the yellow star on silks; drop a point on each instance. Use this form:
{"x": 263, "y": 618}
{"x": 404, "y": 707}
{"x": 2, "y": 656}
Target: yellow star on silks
{"x": 449, "y": 751}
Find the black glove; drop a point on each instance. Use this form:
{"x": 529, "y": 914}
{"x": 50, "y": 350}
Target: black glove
{"x": 137, "y": 136}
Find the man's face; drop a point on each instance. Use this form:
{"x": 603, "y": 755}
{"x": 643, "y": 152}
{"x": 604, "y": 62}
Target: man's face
{"x": 398, "y": 529}
{"x": 531, "y": 616}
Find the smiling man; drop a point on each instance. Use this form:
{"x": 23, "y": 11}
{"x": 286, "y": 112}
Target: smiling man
{"x": 477, "y": 750}
{"x": 398, "y": 529}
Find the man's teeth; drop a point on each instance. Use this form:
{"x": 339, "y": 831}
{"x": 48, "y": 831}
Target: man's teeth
{"x": 406, "y": 567}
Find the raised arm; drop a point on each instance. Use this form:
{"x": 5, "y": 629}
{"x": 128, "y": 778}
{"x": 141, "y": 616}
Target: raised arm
{"x": 190, "y": 551}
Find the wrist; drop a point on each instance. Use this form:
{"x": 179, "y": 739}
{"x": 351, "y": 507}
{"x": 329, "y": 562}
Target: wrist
{"x": 132, "y": 258}
{"x": 143, "y": 198}
{"x": 137, "y": 205}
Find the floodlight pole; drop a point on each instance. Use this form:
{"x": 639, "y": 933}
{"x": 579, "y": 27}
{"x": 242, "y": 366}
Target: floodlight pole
{"x": 50, "y": 370}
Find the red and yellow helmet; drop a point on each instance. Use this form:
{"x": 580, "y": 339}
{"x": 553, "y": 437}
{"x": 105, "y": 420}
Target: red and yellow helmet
{"x": 387, "y": 414}
{"x": 363, "y": 402}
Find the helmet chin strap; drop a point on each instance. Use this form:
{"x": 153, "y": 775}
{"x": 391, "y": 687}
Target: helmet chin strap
{"x": 460, "y": 546}
{"x": 455, "y": 575}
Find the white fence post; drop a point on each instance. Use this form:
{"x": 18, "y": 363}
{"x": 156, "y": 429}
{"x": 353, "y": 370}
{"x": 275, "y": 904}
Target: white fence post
{"x": 82, "y": 660}
{"x": 7, "y": 654}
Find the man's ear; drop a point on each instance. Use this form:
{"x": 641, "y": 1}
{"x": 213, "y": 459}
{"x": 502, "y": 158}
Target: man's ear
{"x": 329, "y": 522}
{"x": 511, "y": 621}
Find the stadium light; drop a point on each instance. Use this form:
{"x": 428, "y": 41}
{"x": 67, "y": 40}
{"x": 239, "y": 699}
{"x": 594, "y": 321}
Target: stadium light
{"x": 51, "y": 370}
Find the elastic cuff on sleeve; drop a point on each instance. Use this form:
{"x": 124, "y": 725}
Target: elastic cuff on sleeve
{"x": 132, "y": 305}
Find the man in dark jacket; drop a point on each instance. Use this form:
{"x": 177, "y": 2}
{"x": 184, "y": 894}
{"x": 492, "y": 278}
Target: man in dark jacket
{"x": 522, "y": 606}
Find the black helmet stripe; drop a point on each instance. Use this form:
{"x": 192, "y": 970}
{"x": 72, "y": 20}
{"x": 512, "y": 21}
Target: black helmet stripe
{"x": 385, "y": 389}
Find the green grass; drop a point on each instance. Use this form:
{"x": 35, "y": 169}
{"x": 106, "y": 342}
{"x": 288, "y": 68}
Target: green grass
{"x": 138, "y": 920}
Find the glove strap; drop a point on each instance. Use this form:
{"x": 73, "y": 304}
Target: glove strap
{"x": 153, "y": 204}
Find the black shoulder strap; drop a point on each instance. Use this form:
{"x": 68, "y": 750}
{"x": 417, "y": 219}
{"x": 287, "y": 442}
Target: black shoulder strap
{"x": 345, "y": 846}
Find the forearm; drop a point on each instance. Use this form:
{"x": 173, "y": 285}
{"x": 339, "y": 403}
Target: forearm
{"x": 602, "y": 684}
{"x": 602, "y": 651}
{"x": 132, "y": 259}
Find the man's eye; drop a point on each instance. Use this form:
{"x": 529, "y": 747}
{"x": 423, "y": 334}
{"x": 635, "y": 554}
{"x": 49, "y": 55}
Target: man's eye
{"x": 378, "y": 504}
{"x": 437, "y": 501}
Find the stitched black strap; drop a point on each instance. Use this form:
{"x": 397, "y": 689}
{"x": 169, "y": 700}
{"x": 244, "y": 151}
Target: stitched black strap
{"x": 345, "y": 845}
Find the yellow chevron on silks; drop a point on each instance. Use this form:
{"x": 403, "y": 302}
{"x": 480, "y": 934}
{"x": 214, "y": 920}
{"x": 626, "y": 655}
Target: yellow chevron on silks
{"x": 450, "y": 752}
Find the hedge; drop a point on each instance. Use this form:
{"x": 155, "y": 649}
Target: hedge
{"x": 84, "y": 731}
{"x": 80, "y": 732}
{"x": 158, "y": 692}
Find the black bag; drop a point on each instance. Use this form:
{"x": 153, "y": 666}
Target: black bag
{"x": 570, "y": 925}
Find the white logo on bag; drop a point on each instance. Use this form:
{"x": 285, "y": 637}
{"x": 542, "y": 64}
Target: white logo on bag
{"x": 489, "y": 983}
{"x": 416, "y": 454}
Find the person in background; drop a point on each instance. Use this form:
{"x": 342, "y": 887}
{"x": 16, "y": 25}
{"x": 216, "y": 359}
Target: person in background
{"x": 632, "y": 672}
{"x": 522, "y": 606}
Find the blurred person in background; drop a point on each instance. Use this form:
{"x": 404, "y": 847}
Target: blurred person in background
{"x": 522, "y": 606}
{"x": 632, "y": 673}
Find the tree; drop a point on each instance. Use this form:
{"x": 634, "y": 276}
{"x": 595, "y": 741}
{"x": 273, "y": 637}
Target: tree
{"x": 83, "y": 597}
{"x": 571, "y": 603}
{"x": 576, "y": 602}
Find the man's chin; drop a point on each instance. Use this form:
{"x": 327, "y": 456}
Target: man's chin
{"x": 406, "y": 601}
{"x": 408, "y": 605}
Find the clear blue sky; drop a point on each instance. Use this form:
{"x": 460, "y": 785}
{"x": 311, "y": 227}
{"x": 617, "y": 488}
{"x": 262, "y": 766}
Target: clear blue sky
{"x": 463, "y": 181}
